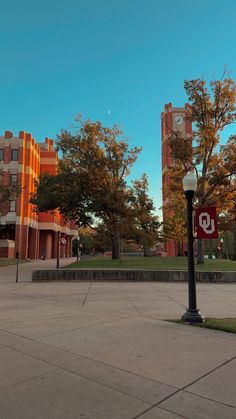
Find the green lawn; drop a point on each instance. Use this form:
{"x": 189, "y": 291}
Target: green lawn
{"x": 156, "y": 263}
{"x": 7, "y": 262}
{"x": 225, "y": 325}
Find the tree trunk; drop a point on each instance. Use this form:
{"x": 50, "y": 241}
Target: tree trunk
{"x": 116, "y": 245}
{"x": 179, "y": 252}
{"x": 145, "y": 251}
{"x": 210, "y": 249}
{"x": 234, "y": 240}
{"x": 200, "y": 251}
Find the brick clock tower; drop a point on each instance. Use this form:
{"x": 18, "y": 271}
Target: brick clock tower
{"x": 172, "y": 119}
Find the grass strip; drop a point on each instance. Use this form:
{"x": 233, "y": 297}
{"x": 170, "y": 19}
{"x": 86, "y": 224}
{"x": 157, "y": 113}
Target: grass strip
{"x": 8, "y": 262}
{"x": 227, "y": 324}
{"x": 152, "y": 263}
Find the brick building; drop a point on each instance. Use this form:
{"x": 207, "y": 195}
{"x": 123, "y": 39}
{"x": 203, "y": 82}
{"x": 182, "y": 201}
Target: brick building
{"x": 172, "y": 119}
{"x": 22, "y": 160}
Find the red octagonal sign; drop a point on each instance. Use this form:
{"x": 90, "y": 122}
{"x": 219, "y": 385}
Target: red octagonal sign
{"x": 206, "y": 223}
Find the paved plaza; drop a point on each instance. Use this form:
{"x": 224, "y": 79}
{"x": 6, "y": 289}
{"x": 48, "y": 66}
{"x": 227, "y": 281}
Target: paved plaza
{"x": 104, "y": 350}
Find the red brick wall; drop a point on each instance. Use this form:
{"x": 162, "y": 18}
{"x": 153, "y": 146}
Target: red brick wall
{"x": 167, "y": 125}
{"x": 33, "y": 159}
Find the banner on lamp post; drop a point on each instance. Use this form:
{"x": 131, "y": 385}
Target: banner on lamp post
{"x": 206, "y": 223}
{"x": 63, "y": 240}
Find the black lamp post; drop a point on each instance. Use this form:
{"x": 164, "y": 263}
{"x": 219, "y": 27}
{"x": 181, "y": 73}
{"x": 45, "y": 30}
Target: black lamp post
{"x": 222, "y": 250}
{"x": 17, "y": 265}
{"x": 77, "y": 251}
{"x": 58, "y": 249}
{"x": 192, "y": 314}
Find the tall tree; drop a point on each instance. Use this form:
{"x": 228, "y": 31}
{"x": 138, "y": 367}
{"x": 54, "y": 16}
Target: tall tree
{"x": 174, "y": 227}
{"x": 212, "y": 109}
{"x": 146, "y": 223}
{"x": 91, "y": 185}
{"x": 227, "y": 196}
{"x": 8, "y": 193}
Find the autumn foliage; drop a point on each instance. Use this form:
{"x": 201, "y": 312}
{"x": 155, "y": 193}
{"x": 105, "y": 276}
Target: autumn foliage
{"x": 212, "y": 109}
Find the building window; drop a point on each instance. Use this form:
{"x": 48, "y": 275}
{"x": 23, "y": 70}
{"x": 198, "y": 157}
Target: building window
{"x": 1, "y": 153}
{"x": 14, "y": 154}
{"x": 1, "y": 178}
{"x": 13, "y": 179}
{"x": 13, "y": 206}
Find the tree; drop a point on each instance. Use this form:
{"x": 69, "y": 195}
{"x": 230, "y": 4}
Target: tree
{"x": 146, "y": 223}
{"x": 212, "y": 109}
{"x": 174, "y": 227}
{"x": 91, "y": 184}
{"x": 8, "y": 193}
{"x": 228, "y": 193}
{"x": 89, "y": 239}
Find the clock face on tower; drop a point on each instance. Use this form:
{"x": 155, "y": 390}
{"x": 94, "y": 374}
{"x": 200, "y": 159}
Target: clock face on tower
{"x": 179, "y": 120}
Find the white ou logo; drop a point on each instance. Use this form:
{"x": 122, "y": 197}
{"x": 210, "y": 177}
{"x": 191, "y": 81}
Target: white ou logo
{"x": 63, "y": 240}
{"x": 206, "y": 223}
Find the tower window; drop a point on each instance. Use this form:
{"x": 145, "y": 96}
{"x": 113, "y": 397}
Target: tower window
{"x": 14, "y": 154}
{"x": 13, "y": 206}
{"x": 13, "y": 179}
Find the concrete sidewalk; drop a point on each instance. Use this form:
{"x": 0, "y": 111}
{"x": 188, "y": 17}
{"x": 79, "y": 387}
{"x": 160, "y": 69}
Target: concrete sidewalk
{"x": 103, "y": 350}
{"x": 8, "y": 273}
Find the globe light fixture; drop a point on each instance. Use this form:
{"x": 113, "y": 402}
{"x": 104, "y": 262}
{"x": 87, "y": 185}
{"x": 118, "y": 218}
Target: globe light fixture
{"x": 190, "y": 182}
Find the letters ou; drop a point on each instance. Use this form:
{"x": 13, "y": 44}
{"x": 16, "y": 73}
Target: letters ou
{"x": 206, "y": 223}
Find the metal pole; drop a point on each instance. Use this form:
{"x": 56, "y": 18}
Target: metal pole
{"x": 17, "y": 265}
{"x": 17, "y": 269}
{"x": 192, "y": 314}
{"x": 78, "y": 248}
{"x": 58, "y": 250}
{"x": 222, "y": 250}
{"x": 77, "y": 254}
{"x": 191, "y": 267}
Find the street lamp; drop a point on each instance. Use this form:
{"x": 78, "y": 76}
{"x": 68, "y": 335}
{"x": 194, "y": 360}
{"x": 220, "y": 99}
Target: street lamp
{"x": 58, "y": 249}
{"x": 77, "y": 251}
{"x": 222, "y": 252}
{"x": 17, "y": 265}
{"x": 192, "y": 314}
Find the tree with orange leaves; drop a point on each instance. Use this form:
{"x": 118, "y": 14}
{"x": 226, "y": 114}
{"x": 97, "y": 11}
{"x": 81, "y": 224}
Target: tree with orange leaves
{"x": 212, "y": 109}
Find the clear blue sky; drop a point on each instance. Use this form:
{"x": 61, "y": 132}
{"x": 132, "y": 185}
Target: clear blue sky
{"x": 118, "y": 61}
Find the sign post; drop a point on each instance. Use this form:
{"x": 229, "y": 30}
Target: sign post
{"x": 58, "y": 249}
{"x": 17, "y": 265}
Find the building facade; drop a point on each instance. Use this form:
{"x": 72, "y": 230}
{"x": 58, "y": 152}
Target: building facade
{"x": 172, "y": 119}
{"x": 22, "y": 160}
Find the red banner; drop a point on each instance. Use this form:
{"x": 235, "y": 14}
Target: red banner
{"x": 63, "y": 240}
{"x": 206, "y": 223}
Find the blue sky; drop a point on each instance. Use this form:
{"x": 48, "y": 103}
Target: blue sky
{"x": 117, "y": 61}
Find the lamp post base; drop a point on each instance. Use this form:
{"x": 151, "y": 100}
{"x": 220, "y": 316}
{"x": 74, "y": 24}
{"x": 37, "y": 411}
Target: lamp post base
{"x": 192, "y": 316}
